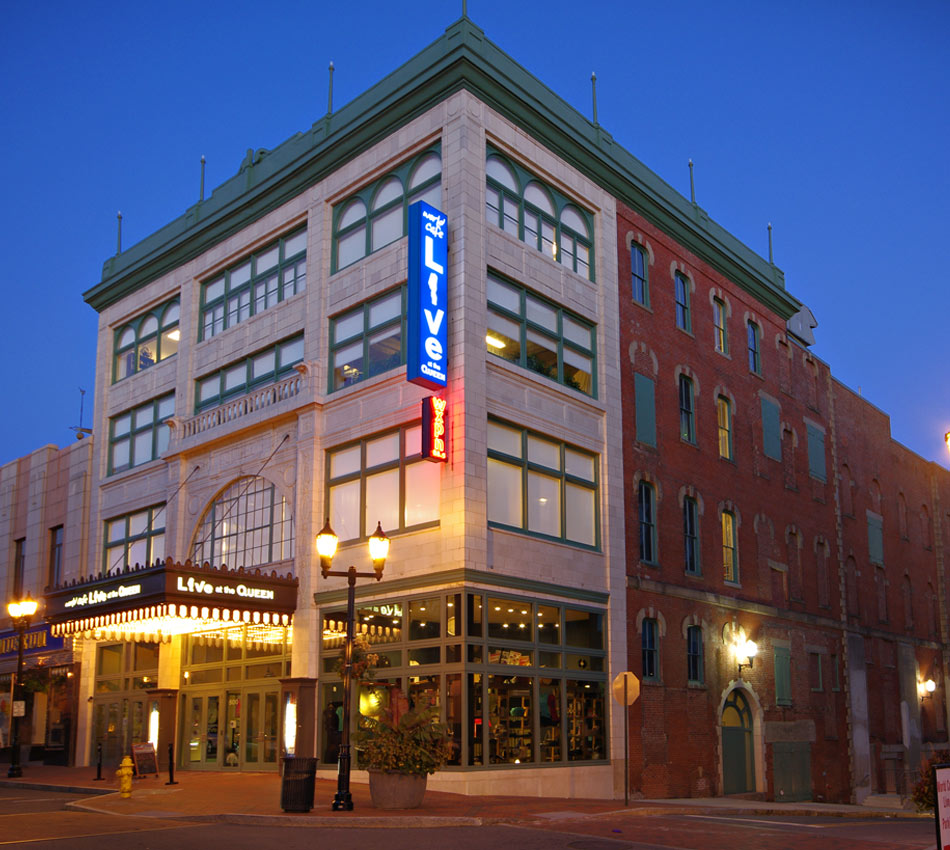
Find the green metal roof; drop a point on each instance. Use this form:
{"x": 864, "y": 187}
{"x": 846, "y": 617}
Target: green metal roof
{"x": 461, "y": 59}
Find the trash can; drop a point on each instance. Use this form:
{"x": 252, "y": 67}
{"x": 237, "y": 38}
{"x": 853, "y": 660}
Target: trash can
{"x": 296, "y": 787}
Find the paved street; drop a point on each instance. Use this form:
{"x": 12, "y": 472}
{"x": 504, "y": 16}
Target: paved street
{"x": 36, "y": 817}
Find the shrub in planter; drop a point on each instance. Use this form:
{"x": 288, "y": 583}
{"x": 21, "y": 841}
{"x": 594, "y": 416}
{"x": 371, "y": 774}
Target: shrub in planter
{"x": 924, "y": 794}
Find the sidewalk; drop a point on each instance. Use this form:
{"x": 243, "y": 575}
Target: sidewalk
{"x": 254, "y": 798}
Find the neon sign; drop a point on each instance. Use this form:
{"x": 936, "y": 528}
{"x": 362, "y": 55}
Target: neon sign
{"x": 427, "y": 339}
{"x": 433, "y": 429}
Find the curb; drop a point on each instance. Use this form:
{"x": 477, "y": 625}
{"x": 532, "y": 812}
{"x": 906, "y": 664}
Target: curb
{"x": 45, "y": 786}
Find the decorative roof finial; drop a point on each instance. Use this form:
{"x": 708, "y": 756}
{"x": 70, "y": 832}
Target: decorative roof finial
{"x": 593, "y": 87}
{"x": 201, "y": 195}
{"x": 771, "y": 259}
{"x": 330, "y": 94}
{"x": 118, "y": 244}
{"x": 692, "y": 186}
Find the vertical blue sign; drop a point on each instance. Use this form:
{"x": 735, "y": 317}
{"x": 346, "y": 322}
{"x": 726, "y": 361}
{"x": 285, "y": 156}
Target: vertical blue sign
{"x": 427, "y": 339}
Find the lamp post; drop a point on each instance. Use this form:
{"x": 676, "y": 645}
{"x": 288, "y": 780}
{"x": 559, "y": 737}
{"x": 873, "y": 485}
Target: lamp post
{"x": 21, "y": 612}
{"x": 378, "y": 550}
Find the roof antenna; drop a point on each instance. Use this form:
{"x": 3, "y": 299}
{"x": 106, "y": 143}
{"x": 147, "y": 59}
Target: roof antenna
{"x": 118, "y": 248}
{"x": 80, "y": 431}
{"x": 692, "y": 186}
{"x": 330, "y": 94}
{"x": 464, "y": 8}
{"x": 771, "y": 260}
{"x": 593, "y": 88}
{"x": 201, "y": 196}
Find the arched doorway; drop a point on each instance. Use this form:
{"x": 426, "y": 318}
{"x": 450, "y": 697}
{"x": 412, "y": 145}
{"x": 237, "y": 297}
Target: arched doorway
{"x": 738, "y": 764}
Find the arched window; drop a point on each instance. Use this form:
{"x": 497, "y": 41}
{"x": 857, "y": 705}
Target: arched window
{"x": 538, "y": 214}
{"x": 378, "y": 214}
{"x": 146, "y": 340}
{"x": 247, "y": 525}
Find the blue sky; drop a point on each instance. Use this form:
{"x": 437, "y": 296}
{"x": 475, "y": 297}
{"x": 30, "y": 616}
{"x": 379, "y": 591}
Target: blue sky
{"x": 829, "y": 120}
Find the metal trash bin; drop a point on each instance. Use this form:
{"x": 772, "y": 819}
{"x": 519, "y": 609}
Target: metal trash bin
{"x": 297, "y": 784}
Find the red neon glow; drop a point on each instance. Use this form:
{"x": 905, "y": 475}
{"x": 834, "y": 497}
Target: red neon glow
{"x": 437, "y": 428}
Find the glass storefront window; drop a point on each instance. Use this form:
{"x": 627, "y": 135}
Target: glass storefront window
{"x": 509, "y": 620}
{"x": 510, "y": 732}
{"x": 424, "y": 619}
{"x": 586, "y": 720}
{"x": 583, "y": 628}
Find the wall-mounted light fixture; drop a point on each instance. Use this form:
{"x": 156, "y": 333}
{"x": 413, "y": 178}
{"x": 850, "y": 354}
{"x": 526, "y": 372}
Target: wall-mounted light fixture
{"x": 926, "y": 689}
{"x": 745, "y": 651}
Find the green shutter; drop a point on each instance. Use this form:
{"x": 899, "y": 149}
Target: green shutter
{"x": 875, "y": 539}
{"x": 771, "y": 430}
{"x": 783, "y": 676}
{"x": 646, "y": 410}
{"x": 816, "y": 452}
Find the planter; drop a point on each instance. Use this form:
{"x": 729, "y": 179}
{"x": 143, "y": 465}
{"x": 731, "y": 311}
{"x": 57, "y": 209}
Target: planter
{"x": 396, "y": 790}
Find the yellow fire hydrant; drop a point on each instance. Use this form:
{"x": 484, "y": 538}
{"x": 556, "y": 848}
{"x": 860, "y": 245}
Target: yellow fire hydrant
{"x": 125, "y": 777}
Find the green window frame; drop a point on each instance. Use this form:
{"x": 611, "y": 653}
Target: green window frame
{"x": 783, "y": 675}
{"x": 771, "y": 429}
{"x": 539, "y": 335}
{"x": 721, "y": 335}
{"x": 691, "y": 536}
{"x": 816, "y": 452}
{"x": 644, "y": 391}
{"x": 134, "y": 538}
{"x": 542, "y": 487}
{"x": 724, "y": 427}
{"x": 754, "y": 345}
{"x": 695, "y": 668}
{"x": 646, "y": 504}
{"x": 146, "y": 340}
{"x": 259, "y": 528}
{"x": 814, "y": 672}
{"x": 650, "y": 650}
{"x": 538, "y": 214}
{"x": 639, "y": 271}
{"x": 368, "y": 339}
{"x": 383, "y": 479}
{"x": 681, "y": 294}
{"x": 687, "y": 413}
{"x": 378, "y": 214}
{"x": 141, "y": 434}
{"x": 256, "y": 282}
{"x": 730, "y": 555}
{"x": 265, "y": 366}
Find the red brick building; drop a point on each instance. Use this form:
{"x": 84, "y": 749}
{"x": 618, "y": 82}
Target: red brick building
{"x": 767, "y": 502}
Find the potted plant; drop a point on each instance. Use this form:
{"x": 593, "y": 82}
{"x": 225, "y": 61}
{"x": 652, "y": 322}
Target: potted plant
{"x": 400, "y": 747}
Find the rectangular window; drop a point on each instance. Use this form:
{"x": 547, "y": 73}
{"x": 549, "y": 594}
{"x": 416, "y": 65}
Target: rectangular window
{"x": 682, "y": 303}
{"x": 691, "y": 535}
{"x": 539, "y": 335}
{"x": 541, "y": 486}
{"x": 241, "y": 377}
{"x": 146, "y": 340}
{"x": 646, "y": 409}
{"x": 368, "y": 340}
{"x": 638, "y": 274}
{"x": 771, "y": 430}
{"x": 724, "y": 423}
{"x": 254, "y": 283}
{"x": 816, "y": 452}
{"x": 694, "y": 655}
{"x": 721, "y": 335}
{"x": 55, "y": 556}
{"x": 135, "y": 538}
{"x": 753, "y": 335}
{"x": 730, "y": 564}
{"x": 875, "y": 538}
{"x": 141, "y": 434}
{"x": 783, "y": 676}
{"x": 687, "y": 422}
{"x": 650, "y": 650}
{"x": 814, "y": 671}
{"x": 646, "y": 499}
{"x": 19, "y": 566}
{"x": 835, "y": 682}
{"x": 382, "y": 479}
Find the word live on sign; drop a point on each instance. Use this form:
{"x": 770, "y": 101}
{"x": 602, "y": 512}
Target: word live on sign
{"x": 209, "y": 589}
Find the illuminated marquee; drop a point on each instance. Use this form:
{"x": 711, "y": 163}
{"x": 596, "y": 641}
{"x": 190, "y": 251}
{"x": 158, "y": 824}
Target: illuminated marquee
{"x": 434, "y": 437}
{"x": 427, "y": 339}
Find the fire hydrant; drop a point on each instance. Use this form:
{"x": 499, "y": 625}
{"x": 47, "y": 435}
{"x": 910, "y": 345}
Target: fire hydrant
{"x": 125, "y": 777}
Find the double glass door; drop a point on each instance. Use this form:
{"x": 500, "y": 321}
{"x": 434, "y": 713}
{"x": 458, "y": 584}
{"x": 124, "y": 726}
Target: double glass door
{"x": 118, "y": 722}
{"x": 231, "y": 730}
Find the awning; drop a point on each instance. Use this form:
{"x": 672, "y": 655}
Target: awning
{"x": 170, "y": 598}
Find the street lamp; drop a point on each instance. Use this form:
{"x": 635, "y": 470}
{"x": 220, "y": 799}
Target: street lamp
{"x": 378, "y": 550}
{"x": 748, "y": 650}
{"x": 21, "y": 612}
